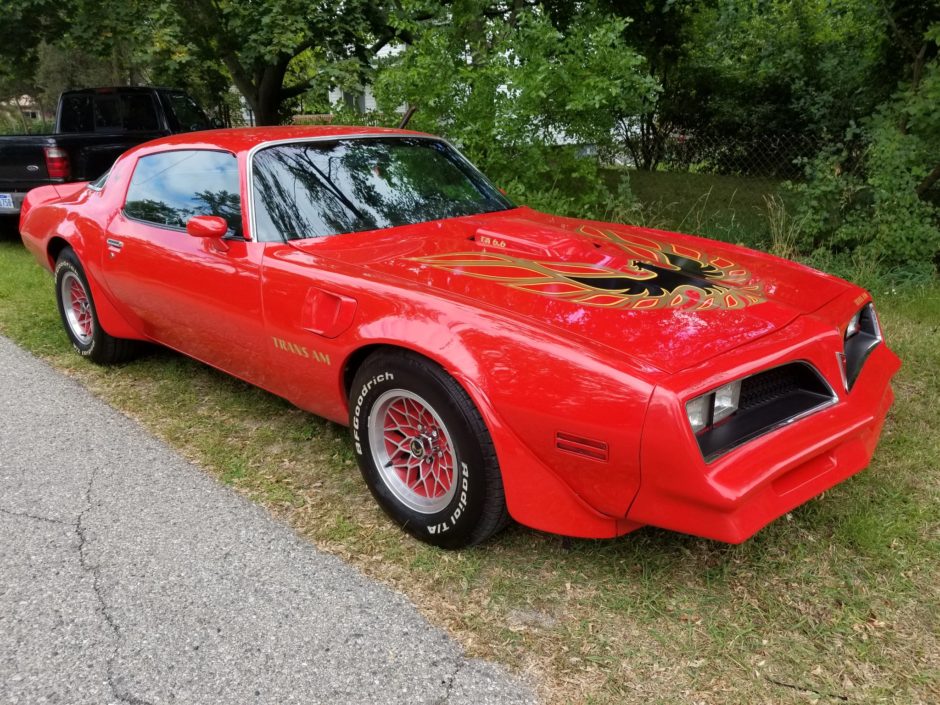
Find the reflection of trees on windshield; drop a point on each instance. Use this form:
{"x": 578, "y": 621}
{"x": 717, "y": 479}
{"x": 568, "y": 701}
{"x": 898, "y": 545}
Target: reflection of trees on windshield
{"x": 221, "y": 203}
{"x": 279, "y": 209}
{"x": 317, "y": 189}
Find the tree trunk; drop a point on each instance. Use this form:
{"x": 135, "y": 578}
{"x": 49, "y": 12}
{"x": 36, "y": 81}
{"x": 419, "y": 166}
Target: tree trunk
{"x": 264, "y": 94}
{"x": 267, "y": 113}
{"x": 929, "y": 181}
{"x": 22, "y": 114}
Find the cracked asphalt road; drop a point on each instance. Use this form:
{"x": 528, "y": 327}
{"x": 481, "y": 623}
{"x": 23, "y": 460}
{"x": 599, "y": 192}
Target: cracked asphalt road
{"x": 127, "y": 575}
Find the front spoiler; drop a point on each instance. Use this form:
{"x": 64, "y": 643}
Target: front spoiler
{"x": 741, "y": 492}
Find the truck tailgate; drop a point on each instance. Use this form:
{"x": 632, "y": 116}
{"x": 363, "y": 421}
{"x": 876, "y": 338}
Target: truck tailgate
{"x": 23, "y": 161}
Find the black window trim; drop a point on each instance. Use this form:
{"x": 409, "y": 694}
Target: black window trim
{"x": 230, "y": 235}
{"x": 330, "y": 138}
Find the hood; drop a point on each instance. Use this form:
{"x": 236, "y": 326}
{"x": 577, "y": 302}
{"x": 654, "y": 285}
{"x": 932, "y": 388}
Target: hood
{"x": 670, "y": 300}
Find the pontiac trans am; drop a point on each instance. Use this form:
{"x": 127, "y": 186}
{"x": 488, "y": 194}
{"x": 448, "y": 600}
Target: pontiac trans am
{"x": 491, "y": 361}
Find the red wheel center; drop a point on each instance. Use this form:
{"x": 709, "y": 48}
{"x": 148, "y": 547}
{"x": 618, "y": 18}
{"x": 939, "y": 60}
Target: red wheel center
{"x": 81, "y": 307}
{"x": 418, "y": 449}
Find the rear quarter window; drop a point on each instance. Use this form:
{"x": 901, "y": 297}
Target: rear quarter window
{"x": 99, "y": 183}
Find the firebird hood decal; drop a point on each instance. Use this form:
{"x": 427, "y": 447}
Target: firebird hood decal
{"x": 657, "y": 275}
{"x": 667, "y": 300}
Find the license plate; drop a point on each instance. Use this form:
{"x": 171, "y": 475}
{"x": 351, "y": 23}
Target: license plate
{"x": 6, "y": 200}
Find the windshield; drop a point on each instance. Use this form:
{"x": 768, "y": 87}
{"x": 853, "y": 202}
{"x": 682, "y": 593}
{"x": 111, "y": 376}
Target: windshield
{"x": 316, "y": 189}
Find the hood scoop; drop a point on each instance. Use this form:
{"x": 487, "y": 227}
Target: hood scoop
{"x": 546, "y": 243}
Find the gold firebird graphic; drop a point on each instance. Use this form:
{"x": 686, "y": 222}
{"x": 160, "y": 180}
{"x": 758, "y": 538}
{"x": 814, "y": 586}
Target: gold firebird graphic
{"x": 658, "y": 275}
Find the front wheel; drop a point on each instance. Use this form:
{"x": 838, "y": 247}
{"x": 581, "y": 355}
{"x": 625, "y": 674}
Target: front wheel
{"x": 80, "y": 318}
{"x": 425, "y": 452}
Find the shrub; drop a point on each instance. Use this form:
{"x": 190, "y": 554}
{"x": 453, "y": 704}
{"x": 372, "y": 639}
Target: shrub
{"x": 874, "y": 196}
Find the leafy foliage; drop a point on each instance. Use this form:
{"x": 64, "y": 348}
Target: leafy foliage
{"x": 876, "y": 194}
{"x": 542, "y": 93}
{"x": 258, "y": 41}
{"x": 508, "y": 88}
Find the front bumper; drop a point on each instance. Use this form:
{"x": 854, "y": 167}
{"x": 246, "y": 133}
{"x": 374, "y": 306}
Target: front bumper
{"x": 733, "y": 497}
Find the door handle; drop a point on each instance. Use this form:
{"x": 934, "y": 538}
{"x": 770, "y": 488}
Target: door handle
{"x": 114, "y": 246}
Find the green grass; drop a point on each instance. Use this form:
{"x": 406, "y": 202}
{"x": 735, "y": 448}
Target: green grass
{"x": 730, "y": 208}
{"x": 840, "y": 599}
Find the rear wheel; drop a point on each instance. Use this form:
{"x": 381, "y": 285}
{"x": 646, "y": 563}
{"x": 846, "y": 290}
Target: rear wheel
{"x": 79, "y": 317}
{"x": 425, "y": 452}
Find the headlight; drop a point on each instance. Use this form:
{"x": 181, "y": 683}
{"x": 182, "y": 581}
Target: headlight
{"x": 726, "y": 401}
{"x": 698, "y": 411}
{"x": 711, "y": 408}
{"x": 852, "y": 328}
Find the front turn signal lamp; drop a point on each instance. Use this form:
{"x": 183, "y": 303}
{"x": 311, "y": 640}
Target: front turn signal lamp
{"x": 712, "y": 408}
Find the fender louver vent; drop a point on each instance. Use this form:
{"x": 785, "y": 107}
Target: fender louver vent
{"x": 595, "y": 450}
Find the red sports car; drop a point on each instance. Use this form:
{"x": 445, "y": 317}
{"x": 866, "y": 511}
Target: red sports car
{"x": 492, "y": 361}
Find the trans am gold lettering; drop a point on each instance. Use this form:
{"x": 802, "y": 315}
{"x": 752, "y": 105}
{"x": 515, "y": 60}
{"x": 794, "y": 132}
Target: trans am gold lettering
{"x": 301, "y": 351}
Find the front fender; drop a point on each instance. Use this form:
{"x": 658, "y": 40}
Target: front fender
{"x": 531, "y": 390}
{"x": 532, "y": 386}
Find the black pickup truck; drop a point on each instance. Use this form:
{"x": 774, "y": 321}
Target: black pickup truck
{"x": 93, "y": 127}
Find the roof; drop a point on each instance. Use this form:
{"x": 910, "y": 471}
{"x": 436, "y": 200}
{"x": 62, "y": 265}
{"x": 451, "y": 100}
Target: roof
{"x": 104, "y": 90}
{"x": 242, "y": 139}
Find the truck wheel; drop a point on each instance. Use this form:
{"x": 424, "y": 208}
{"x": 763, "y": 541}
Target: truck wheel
{"x": 79, "y": 317}
{"x": 425, "y": 452}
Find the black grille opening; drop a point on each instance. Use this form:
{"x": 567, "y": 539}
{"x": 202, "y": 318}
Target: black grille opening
{"x": 859, "y": 346}
{"x": 776, "y": 383}
{"x": 768, "y": 400}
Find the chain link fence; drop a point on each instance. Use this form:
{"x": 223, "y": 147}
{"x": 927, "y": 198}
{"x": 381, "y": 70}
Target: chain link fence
{"x": 729, "y": 187}
{"x": 775, "y": 157}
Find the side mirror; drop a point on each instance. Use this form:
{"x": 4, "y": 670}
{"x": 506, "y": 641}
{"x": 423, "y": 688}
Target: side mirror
{"x": 207, "y": 226}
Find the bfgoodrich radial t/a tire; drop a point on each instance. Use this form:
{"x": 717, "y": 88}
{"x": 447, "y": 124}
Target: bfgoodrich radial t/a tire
{"x": 79, "y": 317}
{"x": 424, "y": 451}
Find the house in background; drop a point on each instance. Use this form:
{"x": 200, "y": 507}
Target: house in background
{"x": 22, "y": 114}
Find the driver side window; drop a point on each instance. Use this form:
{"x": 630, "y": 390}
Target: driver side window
{"x": 169, "y": 188}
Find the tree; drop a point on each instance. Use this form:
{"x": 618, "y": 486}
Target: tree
{"x": 875, "y": 194}
{"x": 258, "y": 41}
{"x": 255, "y": 42}
{"x": 25, "y": 24}
{"x": 661, "y": 31}
{"x": 519, "y": 96}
